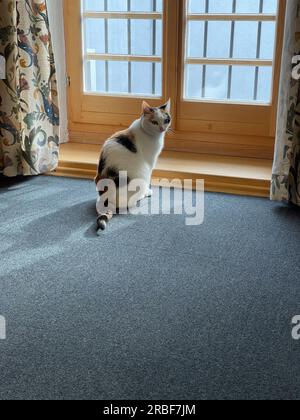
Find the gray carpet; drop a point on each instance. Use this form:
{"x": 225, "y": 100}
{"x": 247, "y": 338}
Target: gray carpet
{"x": 152, "y": 309}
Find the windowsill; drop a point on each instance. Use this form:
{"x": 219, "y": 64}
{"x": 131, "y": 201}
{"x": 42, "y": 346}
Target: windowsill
{"x": 232, "y": 175}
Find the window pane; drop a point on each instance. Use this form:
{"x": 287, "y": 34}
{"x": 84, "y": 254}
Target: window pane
{"x": 93, "y": 5}
{"x": 193, "y": 83}
{"x": 104, "y": 77}
{"x": 142, "y": 86}
{"x": 117, "y": 36}
{"x": 247, "y": 6}
{"x": 149, "y": 83}
{"x": 242, "y": 85}
{"x": 94, "y": 36}
{"x": 195, "y": 32}
{"x": 245, "y": 40}
{"x": 159, "y": 38}
{"x": 158, "y": 79}
{"x": 218, "y": 39}
{"x": 118, "y": 77}
{"x": 264, "y": 84}
{"x": 146, "y": 6}
{"x": 220, "y": 6}
{"x": 270, "y": 6}
{"x": 146, "y": 37}
{"x": 216, "y": 82}
{"x": 122, "y": 5}
{"x": 268, "y": 33}
{"x": 236, "y": 83}
{"x": 94, "y": 76}
{"x": 136, "y": 78}
{"x": 130, "y": 37}
{"x": 196, "y": 6}
{"x": 227, "y": 6}
{"x": 216, "y": 50}
{"x": 117, "y": 5}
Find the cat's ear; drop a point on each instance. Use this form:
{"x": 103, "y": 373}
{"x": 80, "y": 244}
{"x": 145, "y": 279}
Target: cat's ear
{"x": 146, "y": 108}
{"x": 166, "y": 107}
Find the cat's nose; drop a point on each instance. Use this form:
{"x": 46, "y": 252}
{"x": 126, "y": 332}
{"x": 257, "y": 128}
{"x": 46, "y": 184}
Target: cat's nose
{"x": 167, "y": 120}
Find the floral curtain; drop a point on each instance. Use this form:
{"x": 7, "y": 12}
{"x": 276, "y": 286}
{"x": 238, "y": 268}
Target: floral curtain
{"x": 29, "y": 117}
{"x": 286, "y": 169}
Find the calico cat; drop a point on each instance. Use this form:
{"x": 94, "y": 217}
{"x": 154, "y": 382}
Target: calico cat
{"x": 135, "y": 151}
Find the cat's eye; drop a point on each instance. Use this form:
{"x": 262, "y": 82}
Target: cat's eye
{"x": 154, "y": 122}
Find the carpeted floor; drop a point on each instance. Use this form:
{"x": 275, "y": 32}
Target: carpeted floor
{"x": 153, "y": 309}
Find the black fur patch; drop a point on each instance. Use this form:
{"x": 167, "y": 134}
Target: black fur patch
{"x": 113, "y": 174}
{"x": 126, "y": 142}
{"x": 103, "y": 192}
{"x": 101, "y": 165}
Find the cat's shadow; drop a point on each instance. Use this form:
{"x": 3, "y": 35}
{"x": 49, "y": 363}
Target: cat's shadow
{"x": 59, "y": 226}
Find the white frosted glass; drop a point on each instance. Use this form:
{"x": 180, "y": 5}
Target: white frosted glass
{"x": 141, "y": 5}
{"x": 218, "y": 40}
{"x": 193, "y": 83}
{"x": 196, "y": 6}
{"x": 117, "y": 36}
{"x": 267, "y": 45}
{"x": 158, "y": 79}
{"x": 227, "y": 40}
{"x": 159, "y": 38}
{"x": 220, "y": 6}
{"x": 195, "y": 39}
{"x": 142, "y": 85}
{"x": 270, "y": 6}
{"x": 142, "y": 37}
{"x": 146, "y": 38}
{"x": 264, "y": 84}
{"x": 118, "y": 77}
{"x": 145, "y": 77}
{"x": 242, "y": 87}
{"x": 245, "y": 40}
{"x": 247, "y": 6}
{"x": 94, "y": 36}
{"x": 117, "y": 5}
{"x": 94, "y": 76}
{"x": 93, "y": 5}
{"x": 216, "y": 82}
{"x": 159, "y": 5}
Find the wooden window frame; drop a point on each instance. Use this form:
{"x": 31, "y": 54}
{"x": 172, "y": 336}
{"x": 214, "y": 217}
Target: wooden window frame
{"x": 224, "y": 128}
{"x": 106, "y": 109}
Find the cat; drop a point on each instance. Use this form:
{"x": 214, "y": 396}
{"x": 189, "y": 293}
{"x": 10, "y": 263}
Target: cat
{"x": 134, "y": 150}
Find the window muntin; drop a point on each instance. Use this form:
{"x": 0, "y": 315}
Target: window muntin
{"x": 122, "y": 42}
{"x": 229, "y": 50}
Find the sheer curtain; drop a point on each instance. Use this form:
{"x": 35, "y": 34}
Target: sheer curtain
{"x": 56, "y": 23}
{"x": 286, "y": 169}
{"x": 29, "y": 116}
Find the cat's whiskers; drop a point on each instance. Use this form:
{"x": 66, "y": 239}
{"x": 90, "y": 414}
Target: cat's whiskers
{"x": 170, "y": 130}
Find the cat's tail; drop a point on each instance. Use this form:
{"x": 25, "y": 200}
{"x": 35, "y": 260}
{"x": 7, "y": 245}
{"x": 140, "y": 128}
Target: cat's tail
{"x": 103, "y": 220}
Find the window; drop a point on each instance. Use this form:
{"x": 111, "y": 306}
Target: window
{"x": 123, "y": 47}
{"x": 230, "y": 56}
{"x": 218, "y": 60}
